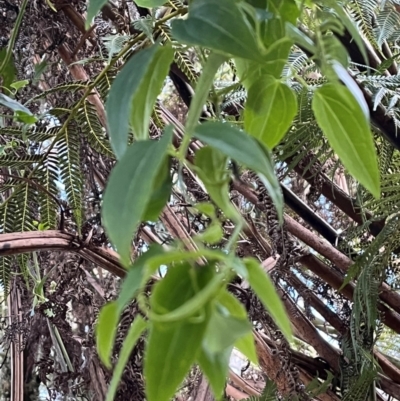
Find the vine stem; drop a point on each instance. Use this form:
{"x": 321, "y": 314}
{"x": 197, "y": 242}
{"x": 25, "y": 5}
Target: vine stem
{"x": 14, "y": 35}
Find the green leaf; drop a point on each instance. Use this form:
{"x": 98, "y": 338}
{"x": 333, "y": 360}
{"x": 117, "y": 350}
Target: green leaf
{"x": 106, "y": 330}
{"x": 270, "y": 108}
{"x": 150, "y": 3}
{"x": 19, "y": 84}
{"x": 129, "y": 190}
{"x": 214, "y": 61}
{"x": 224, "y": 330}
{"x": 213, "y": 234}
{"x": 228, "y": 326}
{"x": 350, "y": 26}
{"x": 265, "y": 290}
{"x": 219, "y": 25}
{"x": 160, "y": 194}
{"x": 179, "y": 286}
{"x": 122, "y": 93}
{"x": 13, "y": 104}
{"x": 245, "y": 344}
{"x": 211, "y": 168}
{"x": 148, "y": 90}
{"x": 9, "y": 72}
{"x": 136, "y": 329}
{"x": 134, "y": 279}
{"x": 40, "y": 68}
{"x": 246, "y": 150}
{"x": 179, "y": 341}
{"x": 215, "y": 367}
{"x": 171, "y": 350}
{"x": 25, "y": 118}
{"x": 93, "y": 9}
{"x": 347, "y": 129}
{"x": 192, "y": 305}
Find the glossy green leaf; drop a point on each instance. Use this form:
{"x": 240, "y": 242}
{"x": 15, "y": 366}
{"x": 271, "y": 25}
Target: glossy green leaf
{"x": 129, "y": 190}
{"x": 270, "y": 108}
{"x": 246, "y": 150}
{"x": 216, "y": 367}
{"x": 179, "y": 341}
{"x": 123, "y": 90}
{"x": 211, "y": 168}
{"x": 148, "y": 90}
{"x": 106, "y": 330}
{"x": 343, "y": 122}
{"x": 219, "y": 25}
{"x": 136, "y": 329}
{"x": 160, "y": 194}
{"x": 94, "y": 8}
{"x": 265, "y": 290}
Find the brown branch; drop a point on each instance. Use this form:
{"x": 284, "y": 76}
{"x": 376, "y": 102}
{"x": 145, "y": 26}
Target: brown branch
{"x": 25, "y": 242}
{"x": 335, "y": 279}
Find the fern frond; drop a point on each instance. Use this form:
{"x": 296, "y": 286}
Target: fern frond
{"x": 184, "y": 63}
{"x": 70, "y": 169}
{"x": 34, "y": 135}
{"x": 15, "y": 161}
{"x": 47, "y": 176}
{"x": 362, "y": 13}
{"x": 114, "y": 44}
{"x": 92, "y": 129}
{"x": 24, "y": 215}
{"x": 381, "y": 81}
{"x": 177, "y": 4}
{"x": 68, "y": 87}
{"x": 104, "y": 84}
{"x": 388, "y": 21}
{"x": 5, "y": 272}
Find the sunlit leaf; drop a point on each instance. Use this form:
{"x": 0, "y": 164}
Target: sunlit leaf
{"x": 348, "y": 131}
{"x": 270, "y": 108}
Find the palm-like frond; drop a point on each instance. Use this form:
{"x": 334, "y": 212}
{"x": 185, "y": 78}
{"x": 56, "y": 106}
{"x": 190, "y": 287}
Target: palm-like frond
{"x": 68, "y": 148}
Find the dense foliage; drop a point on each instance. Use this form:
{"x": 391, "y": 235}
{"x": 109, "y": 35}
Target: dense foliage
{"x": 182, "y": 179}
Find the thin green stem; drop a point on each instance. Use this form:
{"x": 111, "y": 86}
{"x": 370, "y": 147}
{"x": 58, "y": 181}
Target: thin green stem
{"x": 14, "y": 35}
